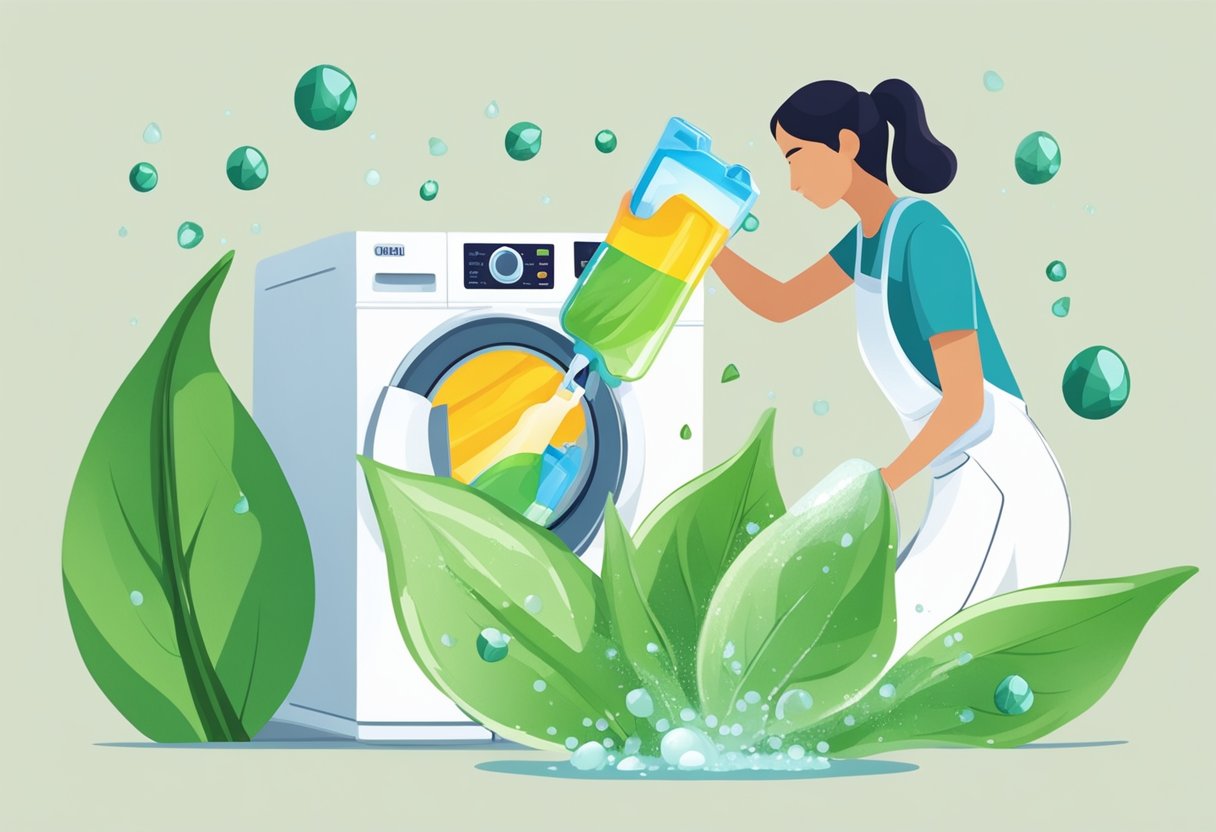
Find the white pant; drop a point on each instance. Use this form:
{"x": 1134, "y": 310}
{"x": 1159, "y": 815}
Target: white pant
{"x": 997, "y": 523}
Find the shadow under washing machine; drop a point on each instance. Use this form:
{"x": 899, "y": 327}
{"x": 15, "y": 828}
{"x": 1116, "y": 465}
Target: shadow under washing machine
{"x": 421, "y": 349}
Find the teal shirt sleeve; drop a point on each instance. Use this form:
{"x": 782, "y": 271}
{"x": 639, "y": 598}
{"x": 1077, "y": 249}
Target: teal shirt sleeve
{"x": 941, "y": 280}
{"x": 845, "y": 252}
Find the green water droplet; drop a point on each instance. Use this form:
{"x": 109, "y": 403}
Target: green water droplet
{"x": 325, "y": 97}
{"x": 189, "y": 234}
{"x": 122, "y": 231}
{"x": 821, "y": 407}
{"x": 993, "y": 82}
{"x": 372, "y": 177}
{"x": 605, "y": 141}
{"x": 152, "y": 133}
{"x": 256, "y": 228}
{"x": 751, "y": 222}
{"x": 491, "y": 645}
{"x": 1056, "y": 271}
{"x": 1037, "y": 159}
{"x": 492, "y": 110}
{"x": 143, "y": 177}
{"x": 242, "y": 505}
{"x": 523, "y": 141}
{"x": 686, "y": 432}
{"x": 429, "y": 190}
{"x": 247, "y": 168}
{"x": 1013, "y": 695}
{"x": 436, "y": 147}
{"x": 1061, "y": 306}
{"x": 729, "y": 373}
{"x": 1096, "y": 383}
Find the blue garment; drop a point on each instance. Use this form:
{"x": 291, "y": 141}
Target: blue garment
{"x": 933, "y": 289}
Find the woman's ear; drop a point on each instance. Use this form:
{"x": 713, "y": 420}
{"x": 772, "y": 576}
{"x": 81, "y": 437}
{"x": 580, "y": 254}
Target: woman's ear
{"x": 850, "y": 144}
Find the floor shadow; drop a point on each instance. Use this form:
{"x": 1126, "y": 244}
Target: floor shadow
{"x": 565, "y": 771}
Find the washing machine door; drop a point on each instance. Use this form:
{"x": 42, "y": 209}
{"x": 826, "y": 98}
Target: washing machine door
{"x": 466, "y": 385}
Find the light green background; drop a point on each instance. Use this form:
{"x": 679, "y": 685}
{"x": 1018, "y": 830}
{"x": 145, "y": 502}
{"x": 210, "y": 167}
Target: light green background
{"x": 1124, "y": 87}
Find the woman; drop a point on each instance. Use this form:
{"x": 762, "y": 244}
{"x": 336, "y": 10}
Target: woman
{"x": 998, "y": 515}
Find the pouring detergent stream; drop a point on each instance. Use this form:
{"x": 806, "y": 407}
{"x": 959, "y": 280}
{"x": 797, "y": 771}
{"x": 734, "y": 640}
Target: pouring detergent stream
{"x": 685, "y": 206}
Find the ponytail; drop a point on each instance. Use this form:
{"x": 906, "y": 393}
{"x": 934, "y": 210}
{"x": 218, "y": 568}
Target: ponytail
{"x": 922, "y": 163}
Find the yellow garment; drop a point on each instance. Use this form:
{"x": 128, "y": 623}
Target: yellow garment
{"x": 531, "y": 435}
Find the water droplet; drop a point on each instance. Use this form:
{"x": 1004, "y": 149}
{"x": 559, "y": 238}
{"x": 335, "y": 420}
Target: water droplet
{"x": 741, "y": 706}
{"x": 227, "y": 113}
{"x": 586, "y": 722}
{"x": 605, "y": 141}
{"x": 539, "y": 685}
{"x": 827, "y": 569}
{"x": 751, "y": 222}
{"x": 662, "y": 726}
{"x": 793, "y": 702}
{"x": 752, "y": 528}
{"x": 751, "y": 697}
{"x": 774, "y": 743}
{"x": 135, "y": 322}
{"x": 1089, "y": 209}
{"x": 651, "y": 647}
{"x": 820, "y": 407}
{"x": 796, "y": 752}
{"x": 609, "y": 742}
{"x": 822, "y": 747}
{"x": 713, "y": 290}
{"x": 964, "y": 658}
{"x": 993, "y": 82}
{"x": 189, "y": 234}
{"x": 989, "y": 741}
{"x": 428, "y": 190}
{"x": 680, "y": 741}
{"x": 571, "y": 742}
{"x": 492, "y": 110}
{"x": 1004, "y": 191}
{"x": 1037, "y": 159}
{"x": 325, "y": 97}
{"x": 631, "y": 763}
{"x": 686, "y": 432}
{"x": 122, "y": 231}
{"x": 847, "y": 540}
{"x": 966, "y": 715}
{"x": 771, "y": 395}
{"x": 1056, "y": 271}
{"x": 958, "y": 636}
{"x": 137, "y": 597}
{"x": 436, "y": 147}
{"x": 372, "y": 177}
{"x": 850, "y": 720}
{"x": 152, "y": 133}
{"x": 447, "y": 640}
{"x": 242, "y": 505}
{"x": 247, "y": 168}
{"x": 711, "y": 720}
{"x": 797, "y": 451}
{"x": 639, "y": 702}
{"x": 610, "y": 652}
{"x": 590, "y": 756}
{"x": 533, "y": 604}
{"x": 523, "y": 141}
{"x": 143, "y": 177}
{"x": 729, "y": 373}
{"x": 256, "y": 228}
{"x": 948, "y": 641}
{"x": 551, "y": 730}
{"x": 692, "y": 760}
{"x": 887, "y": 691}
{"x": 920, "y": 607}
{"x": 1013, "y": 695}
{"x": 632, "y": 745}
{"x": 1096, "y": 383}
{"x": 736, "y": 668}
{"x": 736, "y": 730}
{"x": 728, "y": 650}
{"x": 223, "y": 241}
{"x": 1061, "y": 306}
{"x": 601, "y": 724}
{"x": 491, "y": 645}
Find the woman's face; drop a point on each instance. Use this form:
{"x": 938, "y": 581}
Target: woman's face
{"x": 819, "y": 173}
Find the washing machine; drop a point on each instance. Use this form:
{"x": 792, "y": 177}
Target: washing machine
{"x": 420, "y": 349}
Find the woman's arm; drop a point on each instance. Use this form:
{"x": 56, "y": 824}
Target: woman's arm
{"x": 772, "y": 299}
{"x": 956, "y": 355}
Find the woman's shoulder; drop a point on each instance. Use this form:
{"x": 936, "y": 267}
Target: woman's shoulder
{"x": 921, "y": 211}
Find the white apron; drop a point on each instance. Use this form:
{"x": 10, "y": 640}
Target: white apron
{"x": 998, "y": 516}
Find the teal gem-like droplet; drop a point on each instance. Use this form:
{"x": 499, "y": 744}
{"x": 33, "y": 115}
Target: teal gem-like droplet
{"x": 437, "y": 147}
{"x": 1013, "y": 696}
{"x": 523, "y": 141}
{"x": 1037, "y": 159}
{"x": 143, "y": 177}
{"x": 821, "y": 407}
{"x": 751, "y": 222}
{"x": 605, "y": 141}
{"x": 122, "y": 231}
{"x": 1096, "y": 383}
{"x": 491, "y": 645}
{"x": 372, "y": 177}
{"x": 1061, "y": 306}
{"x": 247, "y": 168}
{"x": 242, "y": 505}
{"x": 189, "y": 234}
{"x": 325, "y": 97}
{"x": 429, "y": 190}
{"x": 993, "y": 82}
{"x": 152, "y": 133}
{"x": 256, "y": 228}
{"x": 492, "y": 110}
{"x": 1056, "y": 271}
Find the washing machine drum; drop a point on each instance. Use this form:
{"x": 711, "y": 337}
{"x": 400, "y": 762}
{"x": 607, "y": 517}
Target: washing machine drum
{"x": 465, "y": 388}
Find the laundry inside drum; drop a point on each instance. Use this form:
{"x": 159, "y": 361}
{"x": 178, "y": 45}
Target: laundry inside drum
{"x": 515, "y": 432}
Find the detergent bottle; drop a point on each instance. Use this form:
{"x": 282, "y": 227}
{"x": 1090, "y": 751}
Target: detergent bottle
{"x": 686, "y": 205}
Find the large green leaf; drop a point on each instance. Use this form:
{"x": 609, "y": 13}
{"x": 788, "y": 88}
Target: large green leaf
{"x": 186, "y": 564}
{"x": 512, "y": 481}
{"x": 459, "y": 563}
{"x": 637, "y": 624}
{"x": 686, "y": 544}
{"x": 1068, "y": 641}
{"x": 808, "y": 606}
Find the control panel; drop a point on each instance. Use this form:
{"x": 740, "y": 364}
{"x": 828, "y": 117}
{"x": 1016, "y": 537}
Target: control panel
{"x": 508, "y": 265}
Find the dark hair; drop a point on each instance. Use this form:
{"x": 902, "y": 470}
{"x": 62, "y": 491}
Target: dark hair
{"x": 819, "y": 111}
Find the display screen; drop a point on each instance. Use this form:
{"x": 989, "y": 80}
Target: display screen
{"x": 507, "y": 265}
{"x": 583, "y": 251}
